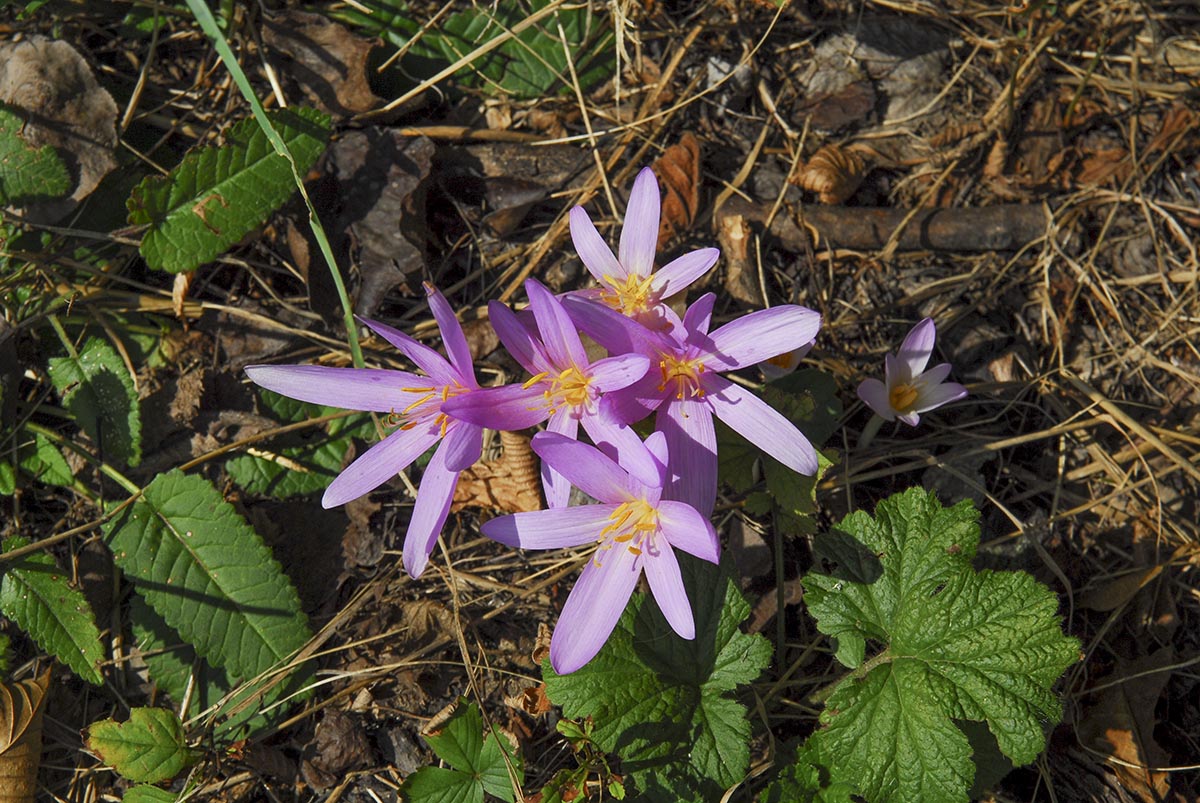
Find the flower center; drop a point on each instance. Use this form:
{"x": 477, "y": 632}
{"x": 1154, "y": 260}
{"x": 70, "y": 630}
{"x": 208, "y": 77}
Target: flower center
{"x": 426, "y": 407}
{"x": 632, "y": 525}
{"x": 570, "y": 387}
{"x": 902, "y": 397}
{"x": 629, "y": 297}
{"x": 684, "y": 373}
{"x": 783, "y": 361}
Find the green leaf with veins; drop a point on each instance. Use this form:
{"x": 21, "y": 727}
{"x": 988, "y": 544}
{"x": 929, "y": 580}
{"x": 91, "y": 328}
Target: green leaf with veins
{"x": 957, "y": 645}
{"x": 148, "y": 748}
{"x": 663, "y": 703}
{"x": 477, "y": 762}
{"x": 27, "y": 173}
{"x": 97, "y": 390}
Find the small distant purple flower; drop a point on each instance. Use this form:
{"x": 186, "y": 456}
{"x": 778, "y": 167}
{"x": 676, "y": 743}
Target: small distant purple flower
{"x": 909, "y": 389}
{"x": 687, "y": 388}
{"x": 628, "y": 281}
{"x": 416, "y": 401}
{"x": 566, "y": 387}
{"x": 783, "y": 364}
{"x": 636, "y": 530}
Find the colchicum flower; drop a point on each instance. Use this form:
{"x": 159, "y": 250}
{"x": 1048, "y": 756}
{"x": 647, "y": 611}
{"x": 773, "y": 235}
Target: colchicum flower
{"x": 909, "y": 389}
{"x": 416, "y": 402}
{"x": 635, "y": 529}
{"x": 685, "y": 386}
{"x": 628, "y": 281}
{"x": 566, "y": 387}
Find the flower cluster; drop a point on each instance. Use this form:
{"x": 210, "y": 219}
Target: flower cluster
{"x": 653, "y": 495}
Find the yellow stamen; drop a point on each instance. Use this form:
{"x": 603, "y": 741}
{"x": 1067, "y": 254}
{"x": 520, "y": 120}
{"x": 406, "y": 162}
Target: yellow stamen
{"x": 632, "y": 524}
{"x": 685, "y": 374}
{"x": 630, "y": 295}
{"x": 533, "y": 380}
{"x": 902, "y": 397}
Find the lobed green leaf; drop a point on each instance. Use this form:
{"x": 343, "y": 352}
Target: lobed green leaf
{"x": 477, "y": 762}
{"x": 27, "y": 173}
{"x": 147, "y": 748}
{"x": 36, "y": 595}
{"x": 219, "y": 194}
{"x": 98, "y": 391}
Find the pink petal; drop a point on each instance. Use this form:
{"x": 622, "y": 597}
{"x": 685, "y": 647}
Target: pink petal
{"x": 639, "y": 232}
{"x": 622, "y": 444}
{"x": 428, "y": 360}
{"x": 929, "y": 398}
{"x": 429, "y": 513}
{"x": 761, "y": 335}
{"x": 614, "y": 373}
{"x": 666, "y": 584}
{"x": 676, "y": 275}
{"x": 697, "y": 316}
{"x": 586, "y": 467}
{"x": 550, "y": 529}
{"x": 875, "y": 394}
{"x": 632, "y": 404}
{"x": 656, "y": 444}
{"x": 593, "y": 608}
{"x": 517, "y": 339}
{"x": 762, "y": 425}
{"x": 559, "y": 335}
{"x": 373, "y": 389}
{"x": 686, "y": 529}
{"x": 504, "y": 409}
{"x": 555, "y": 486}
{"x": 596, "y": 255}
{"x": 462, "y": 445}
{"x": 692, "y": 444}
{"x": 609, "y": 328}
{"x": 452, "y": 336}
{"x": 380, "y": 463}
{"x": 917, "y": 346}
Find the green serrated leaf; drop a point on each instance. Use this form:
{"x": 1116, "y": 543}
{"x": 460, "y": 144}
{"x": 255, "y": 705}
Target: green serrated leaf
{"x": 27, "y": 173}
{"x": 97, "y": 390}
{"x": 148, "y": 794}
{"x": 8, "y": 478}
{"x": 219, "y": 194}
{"x": 35, "y": 595}
{"x": 803, "y": 779}
{"x": 147, "y": 748}
{"x": 957, "y": 645}
{"x": 477, "y": 762}
{"x": 43, "y": 461}
{"x": 660, "y": 702}
{"x": 208, "y": 574}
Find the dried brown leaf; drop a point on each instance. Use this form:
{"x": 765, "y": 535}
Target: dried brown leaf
{"x": 511, "y": 483}
{"x": 325, "y": 59}
{"x": 678, "y": 172}
{"x": 21, "y": 708}
{"x": 833, "y": 173}
{"x": 741, "y": 277}
{"x": 339, "y": 744}
{"x": 532, "y": 700}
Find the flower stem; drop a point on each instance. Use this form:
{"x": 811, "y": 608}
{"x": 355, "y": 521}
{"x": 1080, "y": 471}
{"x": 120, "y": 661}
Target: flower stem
{"x": 870, "y": 431}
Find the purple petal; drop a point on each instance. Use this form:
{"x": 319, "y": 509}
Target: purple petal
{"x": 895, "y": 372}
{"x": 374, "y": 389}
{"x": 639, "y": 232}
{"x": 555, "y": 486}
{"x": 692, "y": 444}
{"x": 622, "y": 444}
{"x": 761, "y": 335}
{"x": 452, "y": 336}
{"x": 932, "y": 397}
{"x": 550, "y": 529}
{"x": 666, "y": 584}
{"x": 556, "y": 327}
{"x": 936, "y": 375}
{"x": 428, "y": 360}
{"x": 632, "y": 404}
{"x": 656, "y": 444}
{"x": 875, "y": 394}
{"x": 593, "y": 608}
{"x": 614, "y": 373}
{"x": 677, "y": 274}
{"x": 596, "y": 255}
{"x": 586, "y": 467}
{"x": 609, "y": 328}
{"x": 761, "y": 424}
{"x": 517, "y": 338}
{"x": 429, "y": 514}
{"x": 380, "y": 463}
{"x": 504, "y": 409}
{"x": 917, "y": 346}
{"x": 462, "y": 445}
{"x": 686, "y": 529}
{"x": 697, "y": 317}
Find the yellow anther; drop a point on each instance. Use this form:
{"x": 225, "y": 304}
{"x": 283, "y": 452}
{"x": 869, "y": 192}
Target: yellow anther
{"x": 902, "y": 397}
{"x": 685, "y": 374}
{"x": 533, "y": 380}
{"x": 630, "y": 295}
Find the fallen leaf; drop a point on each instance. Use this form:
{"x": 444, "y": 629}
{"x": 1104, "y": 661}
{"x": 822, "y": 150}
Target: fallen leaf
{"x": 511, "y": 483}
{"x": 532, "y": 700}
{"x": 64, "y": 107}
{"x": 339, "y": 744}
{"x": 21, "y": 708}
{"x": 741, "y": 276}
{"x": 830, "y": 111}
{"x": 1119, "y": 591}
{"x": 325, "y": 59}
{"x": 833, "y": 173}
{"x": 678, "y": 171}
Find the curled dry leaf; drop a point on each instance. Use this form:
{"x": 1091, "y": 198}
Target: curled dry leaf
{"x": 833, "y": 173}
{"x": 532, "y": 700}
{"x": 21, "y": 707}
{"x": 327, "y": 61}
{"x": 510, "y": 483}
{"x": 741, "y": 277}
{"x": 678, "y": 171}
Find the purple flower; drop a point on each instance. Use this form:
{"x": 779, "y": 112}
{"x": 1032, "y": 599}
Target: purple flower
{"x": 909, "y": 389}
{"x": 783, "y": 364}
{"x": 566, "y": 387}
{"x": 628, "y": 282}
{"x": 636, "y": 530}
{"x": 413, "y": 399}
{"x": 688, "y": 389}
